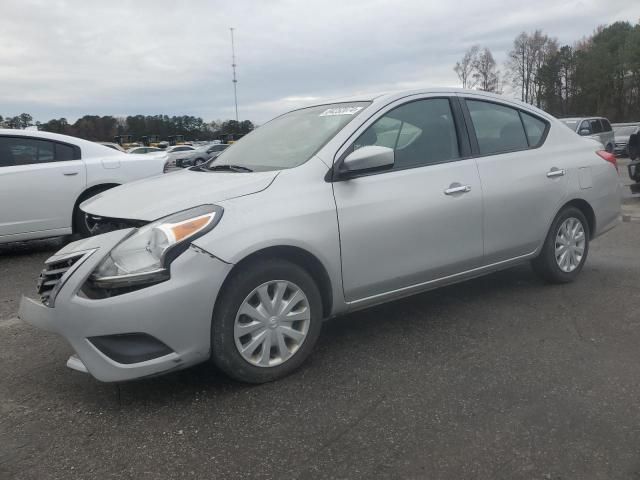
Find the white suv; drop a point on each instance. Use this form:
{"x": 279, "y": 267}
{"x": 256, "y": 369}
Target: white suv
{"x": 45, "y": 176}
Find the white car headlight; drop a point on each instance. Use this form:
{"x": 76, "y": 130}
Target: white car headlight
{"x": 144, "y": 256}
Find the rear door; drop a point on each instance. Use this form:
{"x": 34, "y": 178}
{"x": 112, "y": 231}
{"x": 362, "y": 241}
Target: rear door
{"x": 420, "y": 220}
{"x": 608, "y": 136}
{"x": 596, "y": 130}
{"x": 523, "y": 183}
{"x": 40, "y": 181}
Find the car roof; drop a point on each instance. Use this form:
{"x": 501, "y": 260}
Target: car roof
{"x": 384, "y": 98}
{"x": 583, "y": 118}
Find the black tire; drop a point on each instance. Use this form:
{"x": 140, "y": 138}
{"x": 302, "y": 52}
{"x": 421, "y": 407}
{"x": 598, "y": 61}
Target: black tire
{"x": 225, "y": 354}
{"x": 609, "y": 148}
{"x": 198, "y": 161}
{"x": 80, "y": 227}
{"x": 545, "y": 264}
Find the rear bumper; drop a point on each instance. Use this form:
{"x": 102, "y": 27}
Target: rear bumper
{"x": 176, "y": 312}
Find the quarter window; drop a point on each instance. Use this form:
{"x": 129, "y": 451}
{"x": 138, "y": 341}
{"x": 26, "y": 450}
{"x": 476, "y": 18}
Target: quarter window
{"x": 498, "y": 128}
{"x": 65, "y": 152}
{"x": 420, "y": 133}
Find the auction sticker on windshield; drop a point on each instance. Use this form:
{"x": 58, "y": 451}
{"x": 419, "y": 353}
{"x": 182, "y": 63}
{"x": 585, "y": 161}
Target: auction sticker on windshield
{"x": 340, "y": 111}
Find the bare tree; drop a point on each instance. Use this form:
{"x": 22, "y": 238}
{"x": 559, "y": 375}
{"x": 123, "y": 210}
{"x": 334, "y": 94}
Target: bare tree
{"x": 529, "y": 53}
{"x": 464, "y": 68}
{"x": 484, "y": 72}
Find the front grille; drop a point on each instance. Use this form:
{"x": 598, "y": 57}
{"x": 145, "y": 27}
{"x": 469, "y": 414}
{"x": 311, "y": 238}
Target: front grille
{"x": 53, "y": 274}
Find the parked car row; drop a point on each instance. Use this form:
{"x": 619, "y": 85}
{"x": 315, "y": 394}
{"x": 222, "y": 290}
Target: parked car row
{"x": 182, "y": 156}
{"x": 324, "y": 210}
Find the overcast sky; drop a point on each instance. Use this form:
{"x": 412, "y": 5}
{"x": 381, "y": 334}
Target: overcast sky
{"x": 109, "y": 57}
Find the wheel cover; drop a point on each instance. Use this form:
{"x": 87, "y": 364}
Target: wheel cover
{"x": 570, "y": 244}
{"x": 272, "y": 323}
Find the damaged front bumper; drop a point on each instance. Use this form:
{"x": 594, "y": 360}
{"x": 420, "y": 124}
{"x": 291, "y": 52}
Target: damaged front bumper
{"x": 145, "y": 332}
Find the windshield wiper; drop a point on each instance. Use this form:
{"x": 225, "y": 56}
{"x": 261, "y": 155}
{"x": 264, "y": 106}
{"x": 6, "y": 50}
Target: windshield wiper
{"x": 232, "y": 168}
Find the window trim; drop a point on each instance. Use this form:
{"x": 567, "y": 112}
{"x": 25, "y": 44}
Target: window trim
{"x": 464, "y": 148}
{"x": 76, "y": 149}
{"x": 475, "y": 146}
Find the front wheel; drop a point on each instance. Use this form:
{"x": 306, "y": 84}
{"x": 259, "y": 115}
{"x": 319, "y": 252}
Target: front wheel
{"x": 565, "y": 249}
{"x": 198, "y": 162}
{"x": 267, "y": 321}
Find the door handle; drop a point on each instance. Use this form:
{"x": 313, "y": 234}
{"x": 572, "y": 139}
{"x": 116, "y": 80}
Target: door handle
{"x": 555, "y": 172}
{"x": 70, "y": 174}
{"x": 457, "y": 188}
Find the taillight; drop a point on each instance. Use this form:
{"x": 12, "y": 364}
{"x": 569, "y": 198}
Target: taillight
{"x": 609, "y": 157}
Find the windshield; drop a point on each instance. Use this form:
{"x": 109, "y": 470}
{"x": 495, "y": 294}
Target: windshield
{"x": 291, "y": 139}
{"x": 626, "y": 130}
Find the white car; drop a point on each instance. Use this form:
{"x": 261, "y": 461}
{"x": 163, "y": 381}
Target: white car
{"x": 44, "y": 177}
{"x": 177, "y": 153}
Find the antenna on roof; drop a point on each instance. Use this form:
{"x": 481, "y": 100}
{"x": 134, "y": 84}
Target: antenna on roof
{"x": 235, "y": 80}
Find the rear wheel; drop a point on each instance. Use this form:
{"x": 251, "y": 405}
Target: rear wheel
{"x": 565, "y": 249}
{"x": 198, "y": 161}
{"x": 267, "y": 321}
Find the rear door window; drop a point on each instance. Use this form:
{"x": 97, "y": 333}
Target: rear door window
{"x": 498, "y": 128}
{"x": 596, "y": 126}
{"x": 30, "y": 151}
{"x": 606, "y": 126}
{"x": 25, "y": 151}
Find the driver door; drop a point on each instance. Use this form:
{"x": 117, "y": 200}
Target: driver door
{"x": 411, "y": 224}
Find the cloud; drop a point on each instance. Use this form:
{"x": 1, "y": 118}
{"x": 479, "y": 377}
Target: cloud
{"x": 72, "y": 57}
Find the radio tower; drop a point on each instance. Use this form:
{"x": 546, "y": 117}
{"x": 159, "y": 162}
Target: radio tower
{"x": 235, "y": 80}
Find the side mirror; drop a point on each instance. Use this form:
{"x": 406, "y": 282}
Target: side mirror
{"x": 584, "y": 132}
{"x": 371, "y": 157}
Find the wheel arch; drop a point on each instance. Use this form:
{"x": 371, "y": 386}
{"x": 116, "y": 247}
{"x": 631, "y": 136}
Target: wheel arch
{"x": 88, "y": 193}
{"x": 301, "y": 257}
{"x": 587, "y": 211}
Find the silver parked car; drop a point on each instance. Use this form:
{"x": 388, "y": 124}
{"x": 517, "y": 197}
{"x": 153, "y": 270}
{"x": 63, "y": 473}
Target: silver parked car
{"x": 598, "y": 128}
{"x": 623, "y": 132}
{"x": 202, "y": 154}
{"x": 322, "y": 211}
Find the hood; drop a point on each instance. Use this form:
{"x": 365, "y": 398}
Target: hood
{"x": 159, "y": 196}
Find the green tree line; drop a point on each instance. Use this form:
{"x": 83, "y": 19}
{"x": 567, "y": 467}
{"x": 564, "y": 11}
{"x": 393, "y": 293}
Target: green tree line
{"x": 598, "y": 75}
{"x": 105, "y": 128}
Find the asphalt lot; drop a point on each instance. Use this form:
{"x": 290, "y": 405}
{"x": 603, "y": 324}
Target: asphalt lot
{"x": 499, "y": 377}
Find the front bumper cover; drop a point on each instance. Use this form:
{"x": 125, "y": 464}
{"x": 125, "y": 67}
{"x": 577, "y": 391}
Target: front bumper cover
{"x": 177, "y": 312}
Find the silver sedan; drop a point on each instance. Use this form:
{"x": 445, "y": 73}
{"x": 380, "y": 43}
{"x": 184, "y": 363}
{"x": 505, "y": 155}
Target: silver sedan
{"x": 322, "y": 211}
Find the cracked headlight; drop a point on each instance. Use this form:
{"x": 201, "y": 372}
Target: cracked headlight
{"x": 145, "y": 256}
